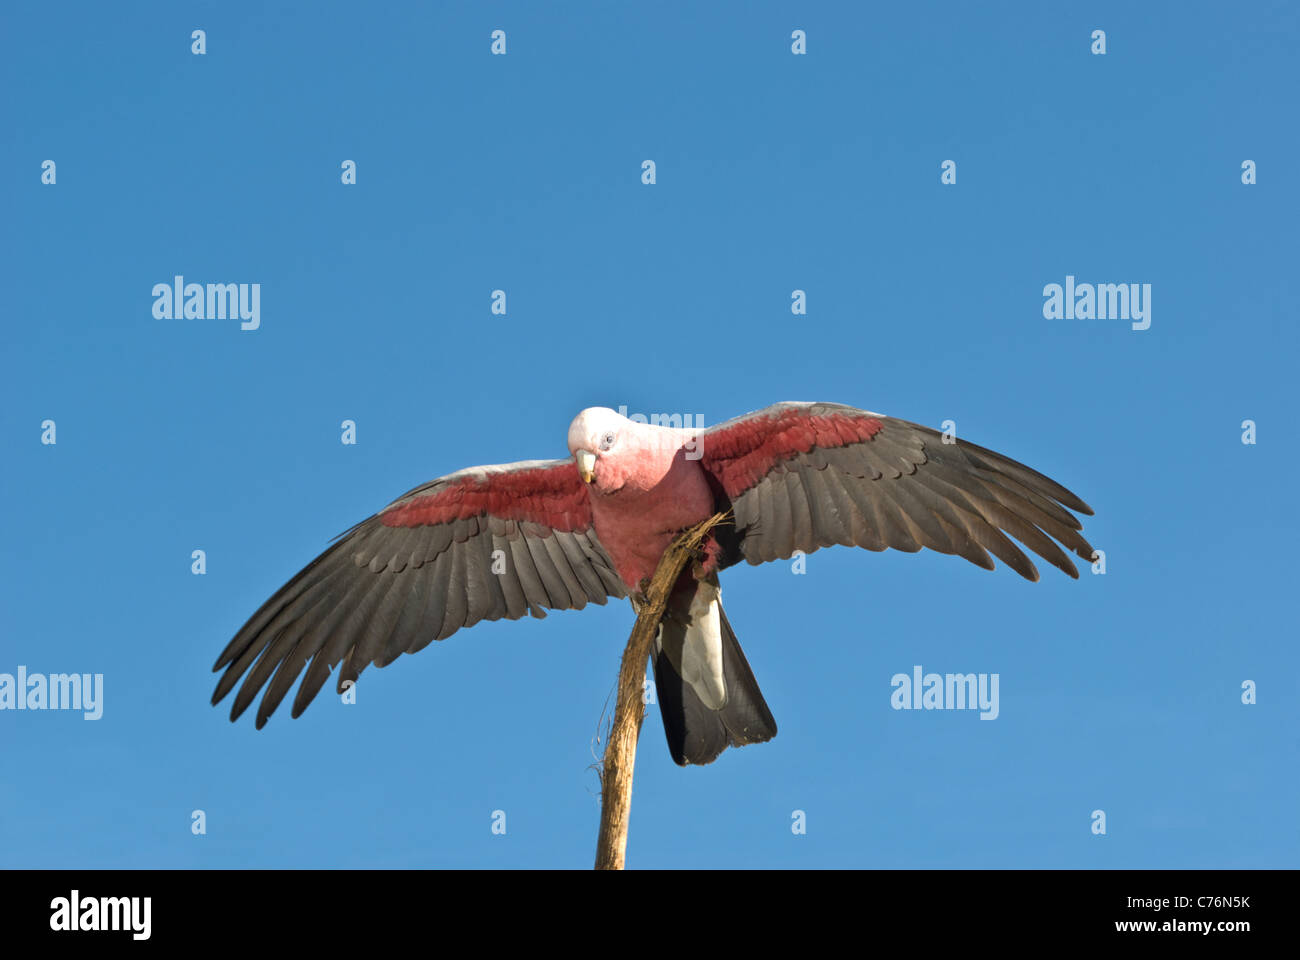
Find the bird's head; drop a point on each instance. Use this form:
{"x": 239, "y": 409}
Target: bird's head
{"x": 594, "y": 435}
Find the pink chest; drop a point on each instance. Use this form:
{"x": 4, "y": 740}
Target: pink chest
{"x": 636, "y": 527}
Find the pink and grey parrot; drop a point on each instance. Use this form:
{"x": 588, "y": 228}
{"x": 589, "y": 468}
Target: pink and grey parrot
{"x": 503, "y": 541}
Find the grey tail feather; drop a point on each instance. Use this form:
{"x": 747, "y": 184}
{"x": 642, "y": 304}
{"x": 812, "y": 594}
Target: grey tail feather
{"x": 697, "y": 734}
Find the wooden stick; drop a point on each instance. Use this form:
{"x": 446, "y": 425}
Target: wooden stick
{"x": 620, "y": 752}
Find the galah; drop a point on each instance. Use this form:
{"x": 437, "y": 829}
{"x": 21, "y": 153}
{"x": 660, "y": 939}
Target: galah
{"x": 503, "y": 541}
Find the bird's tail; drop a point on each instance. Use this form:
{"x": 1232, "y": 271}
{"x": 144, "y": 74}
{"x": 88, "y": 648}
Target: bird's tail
{"x": 708, "y": 697}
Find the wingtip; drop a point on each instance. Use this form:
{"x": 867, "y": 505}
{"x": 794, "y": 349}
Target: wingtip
{"x": 237, "y": 710}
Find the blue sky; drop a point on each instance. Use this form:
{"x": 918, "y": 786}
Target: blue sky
{"x": 775, "y": 172}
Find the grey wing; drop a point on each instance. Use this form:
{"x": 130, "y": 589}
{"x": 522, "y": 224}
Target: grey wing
{"x": 385, "y": 588}
{"x": 821, "y": 474}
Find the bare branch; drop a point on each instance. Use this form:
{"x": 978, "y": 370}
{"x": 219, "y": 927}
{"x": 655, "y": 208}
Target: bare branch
{"x": 620, "y": 751}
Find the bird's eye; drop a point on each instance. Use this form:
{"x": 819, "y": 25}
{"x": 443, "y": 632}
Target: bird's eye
{"x": 607, "y": 441}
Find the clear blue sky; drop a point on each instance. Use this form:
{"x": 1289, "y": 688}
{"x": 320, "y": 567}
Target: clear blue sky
{"x": 775, "y": 172}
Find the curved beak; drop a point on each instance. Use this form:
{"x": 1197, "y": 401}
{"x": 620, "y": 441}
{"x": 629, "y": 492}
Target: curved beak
{"x": 586, "y": 464}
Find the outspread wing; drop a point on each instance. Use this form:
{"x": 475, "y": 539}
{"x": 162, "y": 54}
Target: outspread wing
{"x": 806, "y": 475}
{"x": 480, "y": 544}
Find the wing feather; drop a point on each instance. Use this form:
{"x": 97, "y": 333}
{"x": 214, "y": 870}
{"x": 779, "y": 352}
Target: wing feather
{"x": 800, "y": 476}
{"x": 419, "y": 570}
